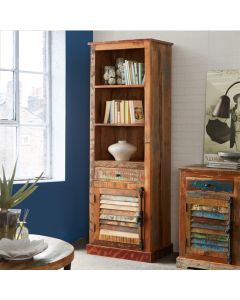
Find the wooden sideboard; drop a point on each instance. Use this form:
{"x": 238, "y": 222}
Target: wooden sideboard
{"x": 209, "y": 209}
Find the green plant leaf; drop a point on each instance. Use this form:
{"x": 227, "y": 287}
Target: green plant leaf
{"x": 24, "y": 195}
{"x": 11, "y": 180}
{"x": 7, "y": 200}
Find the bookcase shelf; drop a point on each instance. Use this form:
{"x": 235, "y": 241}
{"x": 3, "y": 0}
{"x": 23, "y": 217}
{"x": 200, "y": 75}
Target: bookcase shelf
{"x": 119, "y": 125}
{"x": 119, "y": 86}
{"x": 130, "y": 200}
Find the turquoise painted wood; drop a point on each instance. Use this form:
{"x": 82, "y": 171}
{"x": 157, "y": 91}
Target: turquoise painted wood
{"x": 210, "y": 248}
{"x": 213, "y": 237}
{"x": 210, "y": 215}
{"x": 212, "y": 185}
{"x": 209, "y": 242}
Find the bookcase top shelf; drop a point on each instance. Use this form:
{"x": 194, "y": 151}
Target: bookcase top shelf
{"x": 136, "y": 42}
{"x": 111, "y": 125}
{"x": 119, "y": 86}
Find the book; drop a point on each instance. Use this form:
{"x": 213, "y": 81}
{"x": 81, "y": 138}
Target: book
{"x": 107, "y": 112}
{"x": 136, "y": 111}
{"x": 122, "y": 112}
{"x": 112, "y": 111}
{"x": 126, "y": 112}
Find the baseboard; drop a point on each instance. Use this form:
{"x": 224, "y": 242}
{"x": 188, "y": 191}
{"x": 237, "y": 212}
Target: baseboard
{"x": 127, "y": 253}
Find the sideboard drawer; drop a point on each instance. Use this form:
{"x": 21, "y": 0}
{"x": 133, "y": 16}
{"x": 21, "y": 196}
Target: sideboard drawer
{"x": 119, "y": 174}
{"x": 209, "y": 185}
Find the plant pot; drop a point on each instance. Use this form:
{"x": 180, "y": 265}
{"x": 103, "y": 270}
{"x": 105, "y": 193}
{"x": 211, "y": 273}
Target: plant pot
{"x": 8, "y": 223}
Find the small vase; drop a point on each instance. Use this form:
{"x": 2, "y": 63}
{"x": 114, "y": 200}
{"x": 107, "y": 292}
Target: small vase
{"x": 22, "y": 231}
{"x": 8, "y": 223}
{"x": 122, "y": 151}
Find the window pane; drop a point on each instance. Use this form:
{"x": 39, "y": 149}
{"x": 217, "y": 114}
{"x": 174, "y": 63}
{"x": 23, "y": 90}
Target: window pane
{"x": 32, "y": 98}
{"x": 32, "y": 51}
{"x": 6, "y": 95}
{"x": 6, "y": 49}
{"x": 32, "y": 158}
{"x": 7, "y": 149}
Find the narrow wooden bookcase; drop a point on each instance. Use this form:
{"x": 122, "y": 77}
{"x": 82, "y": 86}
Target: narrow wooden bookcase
{"x": 130, "y": 201}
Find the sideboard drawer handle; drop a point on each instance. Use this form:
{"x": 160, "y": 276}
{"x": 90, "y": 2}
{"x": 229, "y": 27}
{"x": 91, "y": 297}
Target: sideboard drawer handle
{"x": 118, "y": 175}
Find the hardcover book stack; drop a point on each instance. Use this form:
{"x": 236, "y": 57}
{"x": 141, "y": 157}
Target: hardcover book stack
{"x": 124, "y": 112}
{"x": 226, "y": 164}
{"x": 119, "y": 219}
{"x": 133, "y": 72}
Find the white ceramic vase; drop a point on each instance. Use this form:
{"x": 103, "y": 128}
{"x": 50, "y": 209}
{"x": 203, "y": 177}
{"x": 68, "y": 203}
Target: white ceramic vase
{"x": 122, "y": 151}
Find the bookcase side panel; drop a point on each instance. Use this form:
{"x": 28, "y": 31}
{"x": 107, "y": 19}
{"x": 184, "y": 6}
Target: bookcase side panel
{"x": 160, "y": 146}
{"x": 92, "y": 138}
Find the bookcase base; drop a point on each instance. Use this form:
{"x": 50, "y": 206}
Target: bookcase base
{"x": 188, "y": 263}
{"x": 128, "y": 254}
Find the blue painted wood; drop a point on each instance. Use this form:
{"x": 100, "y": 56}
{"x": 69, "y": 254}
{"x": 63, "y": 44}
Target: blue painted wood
{"x": 212, "y": 185}
{"x": 210, "y": 248}
{"x": 208, "y": 226}
{"x": 210, "y": 215}
{"x": 209, "y": 242}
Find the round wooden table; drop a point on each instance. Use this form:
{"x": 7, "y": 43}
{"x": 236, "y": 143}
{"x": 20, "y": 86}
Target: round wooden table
{"x": 59, "y": 254}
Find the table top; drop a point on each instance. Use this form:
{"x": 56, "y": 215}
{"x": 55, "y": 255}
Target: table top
{"x": 58, "y": 255}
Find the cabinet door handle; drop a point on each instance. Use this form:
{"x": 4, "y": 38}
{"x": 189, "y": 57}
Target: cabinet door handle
{"x": 118, "y": 175}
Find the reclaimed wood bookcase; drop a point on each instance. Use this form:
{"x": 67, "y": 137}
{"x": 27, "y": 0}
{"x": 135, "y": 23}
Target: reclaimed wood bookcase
{"x": 209, "y": 236}
{"x": 136, "y": 224}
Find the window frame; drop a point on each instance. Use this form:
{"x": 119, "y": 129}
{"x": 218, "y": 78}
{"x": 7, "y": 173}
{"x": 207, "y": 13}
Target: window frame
{"x": 47, "y": 125}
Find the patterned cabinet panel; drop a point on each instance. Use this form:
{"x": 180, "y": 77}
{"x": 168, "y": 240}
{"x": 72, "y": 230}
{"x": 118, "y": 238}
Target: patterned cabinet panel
{"x": 120, "y": 216}
{"x": 210, "y": 185}
{"x": 119, "y": 174}
{"x": 208, "y": 222}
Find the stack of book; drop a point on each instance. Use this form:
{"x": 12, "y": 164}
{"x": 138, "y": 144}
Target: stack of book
{"x": 124, "y": 112}
{"x": 119, "y": 219}
{"x": 133, "y": 72}
{"x": 224, "y": 164}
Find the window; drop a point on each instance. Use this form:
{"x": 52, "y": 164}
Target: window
{"x": 25, "y": 102}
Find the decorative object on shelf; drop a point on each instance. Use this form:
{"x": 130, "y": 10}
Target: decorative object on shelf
{"x": 120, "y": 70}
{"x": 22, "y": 249}
{"x": 109, "y": 75}
{"x": 122, "y": 151}
{"x": 222, "y": 114}
{"x": 9, "y": 218}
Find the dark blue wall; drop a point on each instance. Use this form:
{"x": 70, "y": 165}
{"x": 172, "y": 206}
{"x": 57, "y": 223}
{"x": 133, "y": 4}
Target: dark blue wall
{"x": 60, "y": 209}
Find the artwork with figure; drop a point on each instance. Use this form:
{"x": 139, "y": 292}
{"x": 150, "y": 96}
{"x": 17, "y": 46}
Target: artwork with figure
{"x": 222, "y": 120}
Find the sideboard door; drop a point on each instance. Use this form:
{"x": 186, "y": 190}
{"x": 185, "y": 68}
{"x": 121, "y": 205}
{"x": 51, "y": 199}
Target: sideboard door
{"x": 209, "y": 225}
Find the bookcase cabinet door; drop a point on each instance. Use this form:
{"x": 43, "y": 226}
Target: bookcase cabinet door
{"x": 119, "y": 217}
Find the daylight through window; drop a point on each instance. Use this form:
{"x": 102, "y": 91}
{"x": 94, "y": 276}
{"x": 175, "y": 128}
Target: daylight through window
{"x": 25, "y": 102}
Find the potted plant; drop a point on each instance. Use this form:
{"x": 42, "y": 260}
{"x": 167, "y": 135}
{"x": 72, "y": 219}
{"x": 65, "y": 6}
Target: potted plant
{"x": 8, "y": 200}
